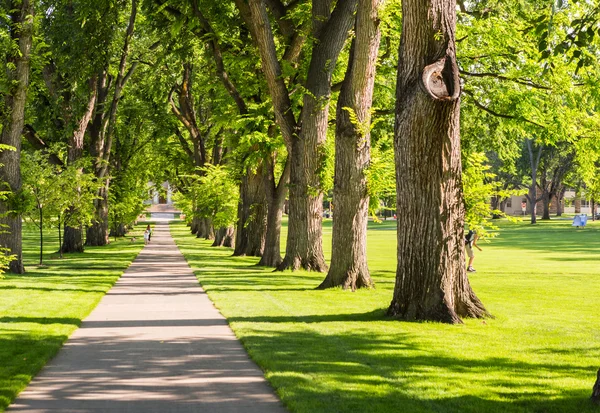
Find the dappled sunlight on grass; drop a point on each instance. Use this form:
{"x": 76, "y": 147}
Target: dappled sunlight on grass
{"x": 40, "y": 309}
{"x": 335, "y": 350}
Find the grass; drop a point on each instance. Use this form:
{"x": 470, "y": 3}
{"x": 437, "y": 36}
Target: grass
{"x": 40, "y": 309}
{"x": 335, "y": 351}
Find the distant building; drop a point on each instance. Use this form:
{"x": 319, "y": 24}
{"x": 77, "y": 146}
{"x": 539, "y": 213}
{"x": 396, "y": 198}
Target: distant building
{"x": 161, "y": 197}
{"x": 160, "y": 204}
{"x": 570, "y": 204}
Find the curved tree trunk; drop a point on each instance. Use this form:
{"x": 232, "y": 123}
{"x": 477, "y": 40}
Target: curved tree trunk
{"x": 431, "y": 280}
{"x": 304, "y": 247}
{"x": 252, "y": 215}
{"x": 352, "y": 156}
{"x": 21, "y": 31}
{"x": 97, "y": 233}
{"x": 275, "y": 194}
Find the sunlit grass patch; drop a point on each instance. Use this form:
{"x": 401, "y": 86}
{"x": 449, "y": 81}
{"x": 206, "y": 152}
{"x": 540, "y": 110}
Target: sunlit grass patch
{"x": 336, "y": 350}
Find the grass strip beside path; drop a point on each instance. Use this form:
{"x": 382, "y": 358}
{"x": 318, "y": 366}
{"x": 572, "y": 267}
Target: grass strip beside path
{"x": 40, "y": 309}
{"x": 336, "y": 351}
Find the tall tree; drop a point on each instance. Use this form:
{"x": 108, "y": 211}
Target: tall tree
{"x": 102, "y": 131}
{"x": 306, "y": 135}
{"x": 352, "y": 155}
{"x": 17, "y": 66}
{"x": 431, "y": 280}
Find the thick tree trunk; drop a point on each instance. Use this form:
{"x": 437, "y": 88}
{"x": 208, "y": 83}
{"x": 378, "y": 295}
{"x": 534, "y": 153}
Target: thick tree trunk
{"x": 431, "y": 279}
{"x": 195, "y": 226}
{"x": 275, "y": 194}
{"x": 73, "y": 237}
{"x": 73, "y": 240}
{"x": 97, "y": 233}
{"x": 271, "y": 256}
{"x": 224, "y": 237}
{"x": 352, "y": 156}
{"x": 304, "y": 247}
{"x": 13, "y": 120}
{"x": 205, "y": 229}
{"x": 546, "y": 204}
{"x": 252, "y": 216}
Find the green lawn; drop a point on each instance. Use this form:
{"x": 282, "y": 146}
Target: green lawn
{"x": 40, "y": 309}
{"x": 335, "y": 351}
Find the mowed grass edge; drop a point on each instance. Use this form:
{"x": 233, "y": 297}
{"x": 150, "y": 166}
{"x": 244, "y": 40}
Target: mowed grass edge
{"x": 41, "y": 308}
{"x": 337, "y": 351}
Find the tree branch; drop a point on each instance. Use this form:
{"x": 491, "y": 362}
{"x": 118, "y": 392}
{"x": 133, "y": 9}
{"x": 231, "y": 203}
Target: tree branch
{"x": 524, "y": 82}
{"x": 499, "y": 115}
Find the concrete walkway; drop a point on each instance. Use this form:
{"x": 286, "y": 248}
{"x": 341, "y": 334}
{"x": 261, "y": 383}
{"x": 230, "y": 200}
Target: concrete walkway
{"x": 155, "y": 343}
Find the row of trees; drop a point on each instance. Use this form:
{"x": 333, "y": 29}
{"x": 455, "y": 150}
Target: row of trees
{"x": 230, "y": 101}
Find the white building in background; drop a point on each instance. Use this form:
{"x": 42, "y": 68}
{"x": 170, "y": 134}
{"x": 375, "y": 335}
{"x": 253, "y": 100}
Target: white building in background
{"x": 164, "y": 196}
{"x": 571, "y": 204}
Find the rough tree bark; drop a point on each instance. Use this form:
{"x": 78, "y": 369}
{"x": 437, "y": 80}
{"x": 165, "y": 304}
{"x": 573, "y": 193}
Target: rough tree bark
{"x": 21, "y": 32}
{"x": 224, "y": 237}
{"x": 304, "y": 246}
{"x": 275, "y": 193}
{"x": 352, "y": 156}
{"x": 252, "y": 216}
{"x": 97, "y": 234}
{"x": 73, "y": 236}
{"x": 431, "y": 279}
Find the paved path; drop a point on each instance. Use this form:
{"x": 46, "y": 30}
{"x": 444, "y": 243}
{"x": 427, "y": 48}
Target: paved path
{"x": 155, "y": 343}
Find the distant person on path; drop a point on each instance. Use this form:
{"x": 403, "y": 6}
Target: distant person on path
{"x": 149, "y": 230}
{"x": 146, "y": 236}
{"x": 470, "y": 242}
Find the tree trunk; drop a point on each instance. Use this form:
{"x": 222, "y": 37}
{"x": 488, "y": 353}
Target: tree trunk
{"x": 13, "y": 120}
{"x": 559, "y": 199}
{"x": 97, "y": 233}
{"x": 546, "y": 204}
{"x": 205, "y": 229}
{"x": 195, "y": 226}
{"x": 431, "y": 279}
{"x": 73, "y": 240}
{"x": 352, "y": 156}
{"x": 275, "y": 194}
{"x": 252, "y": 215}
{"x": 304, "y": 247}
{"x": 533, "y": 201}
{"x": 534, "y": 161}
{"x": 224, "y": 237}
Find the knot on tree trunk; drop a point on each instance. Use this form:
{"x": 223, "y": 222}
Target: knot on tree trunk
{"x": 441, "y": 81}
{"x": 596, "y": 389}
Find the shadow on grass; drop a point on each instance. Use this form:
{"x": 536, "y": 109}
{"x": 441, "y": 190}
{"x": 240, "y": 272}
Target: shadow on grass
{"x": 384, "y": 375}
